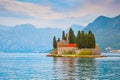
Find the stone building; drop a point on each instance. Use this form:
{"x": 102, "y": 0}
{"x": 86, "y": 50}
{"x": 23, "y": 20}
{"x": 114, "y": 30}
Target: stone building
{"x": 63, "y": 46}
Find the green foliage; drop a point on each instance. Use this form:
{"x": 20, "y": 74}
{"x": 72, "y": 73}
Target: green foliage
{"x": 72, "y": 38}
{"x": 58, "y": 40}
{"x": 67, "y": 52}
{"x": 63, "y": 35}
{"x": 55, "y": 51}
{"x": 94, "y": 41}
{"x": 86, "y": 52}
{"x": 91, "y": 40}
{"x": 54, "y": 42}
{"x": 79, "y": 40}
{"x": 85, "y": 40}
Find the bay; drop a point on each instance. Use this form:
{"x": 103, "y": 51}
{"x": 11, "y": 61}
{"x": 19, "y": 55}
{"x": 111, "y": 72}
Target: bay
{"x": 36, "y": 66}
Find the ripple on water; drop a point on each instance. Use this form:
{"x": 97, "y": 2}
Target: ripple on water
{"x": 39, "y": 67}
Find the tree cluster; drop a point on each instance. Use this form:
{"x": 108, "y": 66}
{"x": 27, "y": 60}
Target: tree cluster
{"x": 82, "y": 40}
{"x": 85, "y": 40}
{"x": 72, "y": 37}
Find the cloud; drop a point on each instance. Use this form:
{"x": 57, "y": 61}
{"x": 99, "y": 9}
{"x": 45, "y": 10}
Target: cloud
{"x": 33, "y": 10}
{"x": 10, "y": 21}
{"x": 56, "y": 13}
{"x": 96, "y": 8}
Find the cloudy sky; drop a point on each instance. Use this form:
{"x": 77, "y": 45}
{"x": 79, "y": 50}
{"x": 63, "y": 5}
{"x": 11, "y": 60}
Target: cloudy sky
{"x": 55, "y": 13}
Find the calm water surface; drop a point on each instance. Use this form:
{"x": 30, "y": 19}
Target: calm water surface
{"x": 34, "y": 66}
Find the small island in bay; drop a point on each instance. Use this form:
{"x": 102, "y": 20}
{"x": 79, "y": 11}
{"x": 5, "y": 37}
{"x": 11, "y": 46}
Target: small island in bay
{"x": 83, "y": 45}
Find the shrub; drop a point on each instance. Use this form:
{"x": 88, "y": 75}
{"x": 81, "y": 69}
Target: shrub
{"x": 68, "y": 52}
{"x": 86, "y": 52}
{"x": 55, "y": 51}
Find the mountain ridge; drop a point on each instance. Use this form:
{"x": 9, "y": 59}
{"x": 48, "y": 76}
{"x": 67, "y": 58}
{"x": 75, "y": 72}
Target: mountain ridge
{"x": 106, "y": 31}
{"x": 27, "y": 38}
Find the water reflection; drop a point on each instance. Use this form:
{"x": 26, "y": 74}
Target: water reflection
{"x": 74, "y": 68}
{"x": 39, "y": 67}
{"x": 86, "y": 69}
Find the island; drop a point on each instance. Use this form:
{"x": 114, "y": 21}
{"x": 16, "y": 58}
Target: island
{"x": 83, "y": 45}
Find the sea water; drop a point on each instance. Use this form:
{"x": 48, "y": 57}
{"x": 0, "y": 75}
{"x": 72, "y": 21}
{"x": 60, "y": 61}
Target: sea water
{"x": 36, "y": 66}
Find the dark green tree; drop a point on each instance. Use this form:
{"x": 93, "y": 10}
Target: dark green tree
{"x": 63, "y": 35}
{"x": 91, "y": 40}
{"x": 79, "y": 40}
{"x": 54, "y": 42}
{"x": 86, "y": 40}
{"x": 58, "y": 40}
{"x": 83, "y": 39}
{"x": 72, "y": 38}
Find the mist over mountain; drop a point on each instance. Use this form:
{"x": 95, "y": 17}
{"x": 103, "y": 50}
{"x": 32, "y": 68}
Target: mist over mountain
{"x": 27, "y": 38}
{"x": 75, "y": 28}
{"x": 107, "y": 31}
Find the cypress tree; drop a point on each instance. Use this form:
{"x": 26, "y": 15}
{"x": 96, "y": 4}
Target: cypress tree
{"x": 54, "y": 42}
{"x": 72, "y": 38}
{"x": 83, "y": 39}
{"x": 91, "y": 40}
{"x": 58, "y": 40}
{"x": 79, "y": 40}
{"x": 86, "y": 40}
{"x": 63, "y": 35}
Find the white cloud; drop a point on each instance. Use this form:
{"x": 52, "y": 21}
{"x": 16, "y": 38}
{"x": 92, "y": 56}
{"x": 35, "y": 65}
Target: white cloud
{"x": 46, "y": 16}
{"x": 101, "y": 7}
{"x": 33, "y": 10}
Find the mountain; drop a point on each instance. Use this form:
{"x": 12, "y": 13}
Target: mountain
{"x": 107, "y": 31}
{"x": 75, "y": 28}
{"x": 27, "y": 38}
